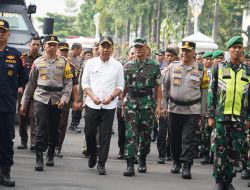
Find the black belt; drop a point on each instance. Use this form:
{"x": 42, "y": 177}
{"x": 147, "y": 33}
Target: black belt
{"x": 50, "y": 88}
{"x": 189, "y": 103}
{"x": 140, "y": 94}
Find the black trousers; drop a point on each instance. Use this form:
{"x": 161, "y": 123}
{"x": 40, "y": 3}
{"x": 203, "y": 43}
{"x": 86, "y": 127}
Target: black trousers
{"x": 47, "y": 122}
{"x": 7, "y": 134}
{"x": 121, "y": 129}
{"x": 163, "y": 139}
{"x": 102, "y": 118}
{"x": 182, "y": 137}
{"x": 76, "y": 117}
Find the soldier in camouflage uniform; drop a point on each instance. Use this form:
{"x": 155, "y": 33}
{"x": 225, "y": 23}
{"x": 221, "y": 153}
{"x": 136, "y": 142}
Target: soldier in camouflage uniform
{"x": 228, "y": 108}
{"x": 142, "y": 75}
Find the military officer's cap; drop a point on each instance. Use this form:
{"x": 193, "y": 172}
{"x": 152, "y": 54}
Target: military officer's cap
{"x": 139, "y": 41}
{"x": 207, "y": 54}
{"x": 247, "y": 55}
{"x": 4, "y": 25}
{"x": 106, "y": 39}
{"x": 172, "y": 50}
{"x": 63, "y": 46}
{"x": 235, "y": 40}
{"x": 50, "y": 39}
{"x": 160, "y": 52}
{"x": 188, "y": 45}
{"x": 217, "y": 53}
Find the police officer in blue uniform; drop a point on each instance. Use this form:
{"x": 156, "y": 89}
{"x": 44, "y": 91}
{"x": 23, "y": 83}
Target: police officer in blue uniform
{"x": 13, "y": 75}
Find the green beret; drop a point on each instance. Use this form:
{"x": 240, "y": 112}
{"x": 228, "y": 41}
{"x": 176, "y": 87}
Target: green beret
{"x": 234, "y": 40}
{"x": 218, "y": 53}
{"x": 207, "y": 54}
{"x": 139, "y": 41}
{"x": 247, "y": 55}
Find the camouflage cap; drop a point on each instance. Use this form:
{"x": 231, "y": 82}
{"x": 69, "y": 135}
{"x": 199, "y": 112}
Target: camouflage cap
{"x": 207, "y": 54}
{"x": 247, "y": 55}
{"x": 139, "y": 41}
{"x": 50, "y": 39}
{"x": 4, "y": 25}
{"x": 160, "y": 52}
{"x": 217, "y": 53}
{"x": 63, "y": 46}
{"x": 234, "y": 40}
{"x": 188, "y": 45}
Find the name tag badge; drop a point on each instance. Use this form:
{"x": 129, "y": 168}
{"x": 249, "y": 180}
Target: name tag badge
{"x": 177, "y": 82}
{"x": 194, "y": 78}
{"x": 177, "y": 75}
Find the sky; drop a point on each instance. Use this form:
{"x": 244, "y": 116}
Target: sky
{"x": 44, "y": 6}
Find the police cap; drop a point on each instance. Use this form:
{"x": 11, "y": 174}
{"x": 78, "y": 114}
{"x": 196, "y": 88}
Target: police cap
{"x": 106, "y": 39}
{"x": 188, "y": 45}
{"x": 63, "y": 46}
{"x": 172, "y": 51}
{"x": 4, "y": 25}
{"x": 50, "y": 39}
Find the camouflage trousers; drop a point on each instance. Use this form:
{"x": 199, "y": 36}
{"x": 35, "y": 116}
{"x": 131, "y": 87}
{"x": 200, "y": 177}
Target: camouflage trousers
{"x": 139, "y": 125}
{"x": 227, "y": 143}
{"x": 205, "y": 142}
{"x": 245, "y": 152}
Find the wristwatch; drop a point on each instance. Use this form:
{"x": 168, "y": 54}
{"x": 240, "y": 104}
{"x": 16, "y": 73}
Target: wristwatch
{"x": 112, "y": 97}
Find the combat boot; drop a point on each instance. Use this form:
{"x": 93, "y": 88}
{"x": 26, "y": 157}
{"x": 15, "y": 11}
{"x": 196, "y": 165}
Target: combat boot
{"x": 244, "y": 173}
{"x": 176, "y": 167}
{"x": 39, "y": 161}
{"x": 228, "y": 183}
{"x": 142, "y": 164}
{"x": 5, "y": 177}
{"x": 50, "y": 157}
{"x": 186, "y": 171}
{"x": 219, "y": 185}
{"x": 130, "y": 171}
{"x": 205, "y": 159}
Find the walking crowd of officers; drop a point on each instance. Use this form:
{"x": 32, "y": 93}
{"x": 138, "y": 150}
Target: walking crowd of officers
{"x": 195, "y": 105}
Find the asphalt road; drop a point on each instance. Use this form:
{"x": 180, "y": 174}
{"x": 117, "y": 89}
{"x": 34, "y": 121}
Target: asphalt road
{"x": 72, "y": 173}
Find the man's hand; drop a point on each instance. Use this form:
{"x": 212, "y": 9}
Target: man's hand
{"x": 20, "y": 90}
{"x": 23, "y": 110}
{"x": 247, "y": 124}
{"x": 158, "y": 112}
{"x": 96, "y": 100}
{"x": 60, "y": 104}
{"x": 211, "y": 122}
{"x": 107, "y": 100}
{"x": 164, "y": 113}
{"x": 75, "y": 105}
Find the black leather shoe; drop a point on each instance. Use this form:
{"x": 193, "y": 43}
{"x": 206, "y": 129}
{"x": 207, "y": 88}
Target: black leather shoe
{"x": 32, "y": 147}
{"x": 205, "y": 159}
{"x": 101, "y": 169}
{"x": 219, "y": 186}
{"x": 39, "y": 161}
{"x": 92, "y": 161}
{"x": 161, "y": 160}
{"x": 248, "y": 184}
{"x": 5, "y": 178}
{"x": 120, "y": 155}
{"x": 186, "y": 173}
{"x": 176, "y": 168}
{"x": 22, "y": 146}
{"x": 142, "y": 165}
{"x": 245, "y": 174}
{"x": 50, "y": 161}
{"x": 229, "y": 186}
{"x": 130, "y": 171}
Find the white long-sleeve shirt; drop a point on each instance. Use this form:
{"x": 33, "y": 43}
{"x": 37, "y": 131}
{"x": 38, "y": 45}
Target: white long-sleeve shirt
{"x": 102, "y": 78}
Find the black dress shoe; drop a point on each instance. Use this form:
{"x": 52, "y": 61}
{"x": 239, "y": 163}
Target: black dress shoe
{"x": 101, "y": 169}
{"x": 120, "y": 155}
{"x": 161, "y": 160}
{"x": 32, "y": 147}
{"x": 205, "y": 159}
{"x": 219, "y": 186}
{"x": 50, "y": 161}
{"x": 22, "y": 146}
{"x": 245, "y": 174}
{"x": 176, "y": 168}
{"x": 92, "y": 161}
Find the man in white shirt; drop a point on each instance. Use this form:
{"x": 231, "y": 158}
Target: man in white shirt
{"x": 102, "y": 81}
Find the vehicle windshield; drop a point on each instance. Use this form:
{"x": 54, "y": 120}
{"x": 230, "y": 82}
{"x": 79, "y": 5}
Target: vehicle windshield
{"x": 16, "y": 21}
